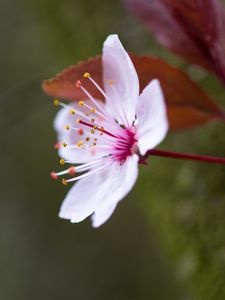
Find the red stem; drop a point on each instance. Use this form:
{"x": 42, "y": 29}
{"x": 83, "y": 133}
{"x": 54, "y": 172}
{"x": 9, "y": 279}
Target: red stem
{"x": 202, "y": 158}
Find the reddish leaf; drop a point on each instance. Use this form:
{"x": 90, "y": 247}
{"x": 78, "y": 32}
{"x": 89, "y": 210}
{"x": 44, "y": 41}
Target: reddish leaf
{"x": 187, "y": 104}
{"x": 63, "y": 85}
{"x": 194, "y": 29}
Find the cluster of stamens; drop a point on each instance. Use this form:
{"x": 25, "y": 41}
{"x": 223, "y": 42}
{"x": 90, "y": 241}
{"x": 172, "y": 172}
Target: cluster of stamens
{"x": 120, "y": 140}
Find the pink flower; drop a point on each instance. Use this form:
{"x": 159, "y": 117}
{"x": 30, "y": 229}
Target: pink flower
{"x": 107, "y": 138}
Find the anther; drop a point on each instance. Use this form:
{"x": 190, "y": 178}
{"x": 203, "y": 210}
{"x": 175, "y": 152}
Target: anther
{"x": 67, "y": 127}
{"x": 86, "y": 75}
{"x": 78, "y": 83}
{"x": 80, "y": 131}
{"x": 64, "y": 181}
{"x": 72, "y": 170}
{"x": 95, "y": 139}
{"x": 72, "y": 112}
{"x": 92, "y": 131}
{"x": 87, "y": 139}
{"x": 64, "y": 145}
{"x": 79, "y": 143}
{"x": 94, "y": 126}
{"x": 92, "y": 120}
{"x": 53, "y": 175}
{"x": 81, "y": 103}
{"x": 94, "y": 144}
{"x": 56, "y": 146}
{"x": 62, "y": 161}
{"x": 56, "y": 102}
{"x": 93, "y": 110}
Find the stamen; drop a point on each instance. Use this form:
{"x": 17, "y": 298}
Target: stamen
{"x": 92, "y": 109}
{"x": 95, "y": 127}
{"x": 56, "y": 146}
{"x": 79, "y": 143}
{"x": 105, "y": 95}
{"x": 68, "y": 171}
{"x": 81, "y": 103}
{"x": 86, "y": 75}
{"x": 91, "y": 98}
{"x": 64, "y": 181}
{"x": 78, "y": 83}
{"x": 56, "y": 102}
{"x": 72, "y": 170}
{"x": 88, "y": 173}
{"x": 62, "y": 161}
{"x": 54, "y": 175}
{"x": 72, "y": 111}
{"x": 79, "y": 130}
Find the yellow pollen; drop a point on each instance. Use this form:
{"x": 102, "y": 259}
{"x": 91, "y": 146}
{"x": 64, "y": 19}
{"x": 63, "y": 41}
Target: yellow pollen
{"x": 86, "y": 75}
{"x": 64, "y": 181}
{"x": 62, "y": 161}
{"x": 87, "y": 139}
{"x": 64, "y": 144}
{"x": 78, "y": 120}
{"x": 94, "y": 126}
{"x": 81, "y": 103}
{"x": 67, "y": 127}
{"x": 92, "y": 120}
{"x": 56, "y": 102}
{"x": 79, "y": 143}
{"x": 93, "y": 110}
{"x": 72, "y": 112}
{"x": 92, "y": 131}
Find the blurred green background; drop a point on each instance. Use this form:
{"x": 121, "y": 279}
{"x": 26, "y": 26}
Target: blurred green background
{"x": 166, "y": 240}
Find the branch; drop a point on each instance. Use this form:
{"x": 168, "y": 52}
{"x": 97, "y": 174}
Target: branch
{"x": 200, "y": 158}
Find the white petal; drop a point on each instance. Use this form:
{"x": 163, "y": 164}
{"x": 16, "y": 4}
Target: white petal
{"x": 151, "y": 116}
{"x": 100, "y": 191}
{"x": 118, "y": 68}
{"x": 122, "y": 181}
{"x": 63, "y": 118}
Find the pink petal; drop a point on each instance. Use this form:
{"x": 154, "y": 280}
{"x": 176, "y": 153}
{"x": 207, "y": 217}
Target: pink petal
{"x": 119, "y": 70}
{"x": 152, "y": 117}
{"x": 100, "y": 193}
{"x": 122, "y": 180}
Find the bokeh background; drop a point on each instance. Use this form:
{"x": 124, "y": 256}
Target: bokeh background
{"x": 166, "y": 240}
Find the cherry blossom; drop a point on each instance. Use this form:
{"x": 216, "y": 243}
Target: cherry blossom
{"x": 104, "y": 140}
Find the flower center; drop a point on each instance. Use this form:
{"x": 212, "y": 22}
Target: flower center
{"x": 125, "y": 146}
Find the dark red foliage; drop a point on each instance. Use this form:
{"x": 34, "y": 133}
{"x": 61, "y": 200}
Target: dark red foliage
{"x": 194, "y": 29}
